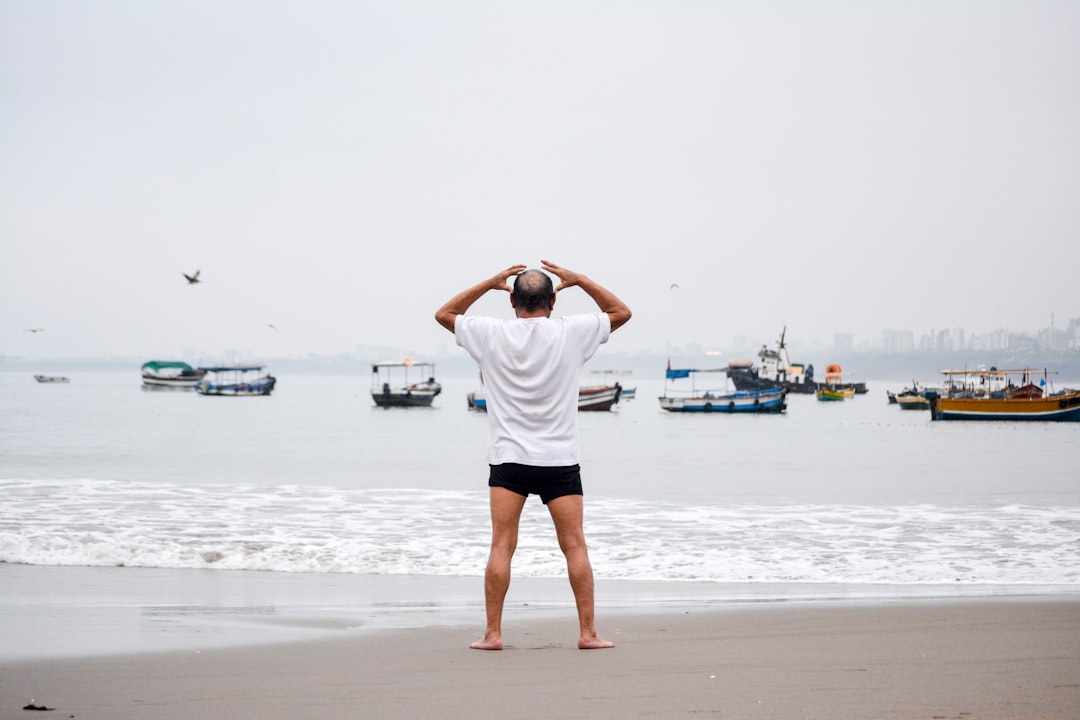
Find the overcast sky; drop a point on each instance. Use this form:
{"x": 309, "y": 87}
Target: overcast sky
{"x": 340, "y": 169}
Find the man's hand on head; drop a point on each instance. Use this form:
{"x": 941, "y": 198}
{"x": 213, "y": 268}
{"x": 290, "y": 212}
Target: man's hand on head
{"x": 498, "y": 282}
{"x": 567, "y": 278}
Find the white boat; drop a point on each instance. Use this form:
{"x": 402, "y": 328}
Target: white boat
{"x": 169, "y": 374}
{"x": 718, "y": 399}
{"x": 51, "y": 379}
{"x": 391, "y": 386}
{"x": 613, "y": 377}
{"x": 235, "y": 381}
{"x": 591, "y": 398}
{"x": 598, "y": 397}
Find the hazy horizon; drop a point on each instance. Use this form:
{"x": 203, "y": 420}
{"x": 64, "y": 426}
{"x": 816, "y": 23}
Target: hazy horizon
{"x": 337, "y": 171}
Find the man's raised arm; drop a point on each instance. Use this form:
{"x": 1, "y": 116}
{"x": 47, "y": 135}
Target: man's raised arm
{"x": 457, "y": 305}
{"x": 617, "y": 310}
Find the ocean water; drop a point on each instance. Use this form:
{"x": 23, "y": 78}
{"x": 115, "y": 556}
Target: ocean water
{"x": 316, "y": 479}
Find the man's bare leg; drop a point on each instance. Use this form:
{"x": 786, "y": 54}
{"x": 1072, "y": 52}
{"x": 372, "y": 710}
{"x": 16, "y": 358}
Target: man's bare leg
{"x": 506, "y": 508}
{"x": 567, "y": 512}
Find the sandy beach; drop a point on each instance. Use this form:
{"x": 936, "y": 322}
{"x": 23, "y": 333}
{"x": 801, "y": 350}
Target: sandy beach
{"x": 1014, "y": 657}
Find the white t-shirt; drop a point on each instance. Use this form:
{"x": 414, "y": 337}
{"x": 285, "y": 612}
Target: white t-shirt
{"x": 531, "y": 368}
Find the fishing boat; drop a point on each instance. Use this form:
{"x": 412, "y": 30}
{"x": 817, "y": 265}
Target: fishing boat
{"x": 834, "y": 388}
{"x": 989, "y": 395}
{"x": 774, "y": 370}
{"x": 613, "y": 377}
{"x": 912, "y": 400}
{"x": 235, "y": 380}
{"x": 392, "y": 383}
{"x": 168, "y": 374}
{"x": 598, "y": 397}
{"x": 718, "y": 399}
{"x": 590, "y": 398}
{"x": 52, "y": 379}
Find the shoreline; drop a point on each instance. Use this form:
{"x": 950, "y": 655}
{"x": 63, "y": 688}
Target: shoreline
{"x": 978, "y": 658}
{"x": 51, "y": 613}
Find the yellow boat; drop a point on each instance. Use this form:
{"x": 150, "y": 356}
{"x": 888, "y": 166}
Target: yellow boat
{"x": 976, "y": 395}
{"x": 834, "y": 388}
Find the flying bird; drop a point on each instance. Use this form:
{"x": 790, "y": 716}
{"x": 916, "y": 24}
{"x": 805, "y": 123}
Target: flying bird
{"x": 192, "y": 279}
{"x": 674, "y": 286}
{"x": 272, "y": 327}
{"x": 34, "y": 330}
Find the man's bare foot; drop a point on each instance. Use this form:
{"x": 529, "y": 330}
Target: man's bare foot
{"x": 594, "y": 642}
{"x": 488, "y": 644}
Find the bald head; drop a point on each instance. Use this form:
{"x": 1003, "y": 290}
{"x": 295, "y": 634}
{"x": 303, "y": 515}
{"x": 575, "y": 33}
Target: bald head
{"x": 533, "y": 291}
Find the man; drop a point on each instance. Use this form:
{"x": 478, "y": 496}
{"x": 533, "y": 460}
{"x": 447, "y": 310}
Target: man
{"x": 531, "y": 367}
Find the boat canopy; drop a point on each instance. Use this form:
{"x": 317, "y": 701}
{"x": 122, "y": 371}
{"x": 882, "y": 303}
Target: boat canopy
{"x": 984, "y": 371}
{"x": 163, "y": 364}
{"x": 399, "y": 363}
{"x": 673, "y": 374}
{"x": 233, "y": 368}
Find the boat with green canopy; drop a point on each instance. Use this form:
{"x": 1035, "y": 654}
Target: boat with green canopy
{"x": 158, "y": 374}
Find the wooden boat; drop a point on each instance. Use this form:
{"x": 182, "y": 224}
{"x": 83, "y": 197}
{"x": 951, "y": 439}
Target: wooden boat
{"x": 591, "y": 398}
{"x": 830, "y": 393}
{"x": 52, "y": 379}
{"x": 391, "y": 386}
{"x": 912, "y": 401}
{"x": 598, "y": 397}
{"x": 169, "y": 374}
{"x": 719, "y": 399}
{"x": 834, "y": 388}
{"x": 235, "y": 380}
{"x": 964, "y": 401}
{"x": 612, "y": 378}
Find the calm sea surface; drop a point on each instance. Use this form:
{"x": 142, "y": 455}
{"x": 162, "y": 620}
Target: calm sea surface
{"x": 317, "y": 479}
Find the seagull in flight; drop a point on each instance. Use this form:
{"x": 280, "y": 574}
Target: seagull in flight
{"x": 34, "y": 330}
{"x": 674, "y": 286}
{"x": 192, "y": 279}
{"x": 271, "y": 326}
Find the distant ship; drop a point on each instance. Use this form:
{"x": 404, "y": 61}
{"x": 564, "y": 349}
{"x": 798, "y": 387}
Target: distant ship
{"x": 775, "y": 370}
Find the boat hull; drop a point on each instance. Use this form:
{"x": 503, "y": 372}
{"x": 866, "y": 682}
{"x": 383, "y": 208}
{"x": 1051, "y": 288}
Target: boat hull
{"x": 765, "y": 401}
{"x": 600, "y": 398}
{"x": 1053, "y": 408}
{"x": 403, "y": 398}
{"x": 182, "y": 383}
{"x": 830, "y": 394}
{"x": 236, "y": 389}
{"x": 235, "y": 381}
{"x": 912, "y": 402}
{"x": 748, "y": 379}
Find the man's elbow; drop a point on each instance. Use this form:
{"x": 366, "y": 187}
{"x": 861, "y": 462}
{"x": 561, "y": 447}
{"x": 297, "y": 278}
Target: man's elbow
{"x": 445, "y": 319}
{"x": 620, "y": 318}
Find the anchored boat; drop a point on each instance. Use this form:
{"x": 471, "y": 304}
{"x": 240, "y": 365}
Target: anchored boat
{"x": 391, "y": 386}
{"x": 235, "y": 380}
{"x": 169, "y": 374}
{"x": 719, "y": 399}
{"x": 991, "y": 395}
{"x": 597, "y": 398}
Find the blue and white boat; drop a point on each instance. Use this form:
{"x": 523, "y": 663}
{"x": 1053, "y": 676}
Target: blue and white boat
{"x": 235, "y": 380}
{"x": 718, "y": 399}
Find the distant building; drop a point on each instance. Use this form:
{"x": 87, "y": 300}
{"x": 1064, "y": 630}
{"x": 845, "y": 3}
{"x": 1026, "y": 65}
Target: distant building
{"x": 897, "y": 341}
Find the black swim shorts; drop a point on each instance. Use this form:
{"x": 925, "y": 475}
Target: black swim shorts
{"x": 547, "y": 482}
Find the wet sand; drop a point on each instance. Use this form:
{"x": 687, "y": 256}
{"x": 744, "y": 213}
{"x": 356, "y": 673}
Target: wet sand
{"x": 978, "y": 658}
